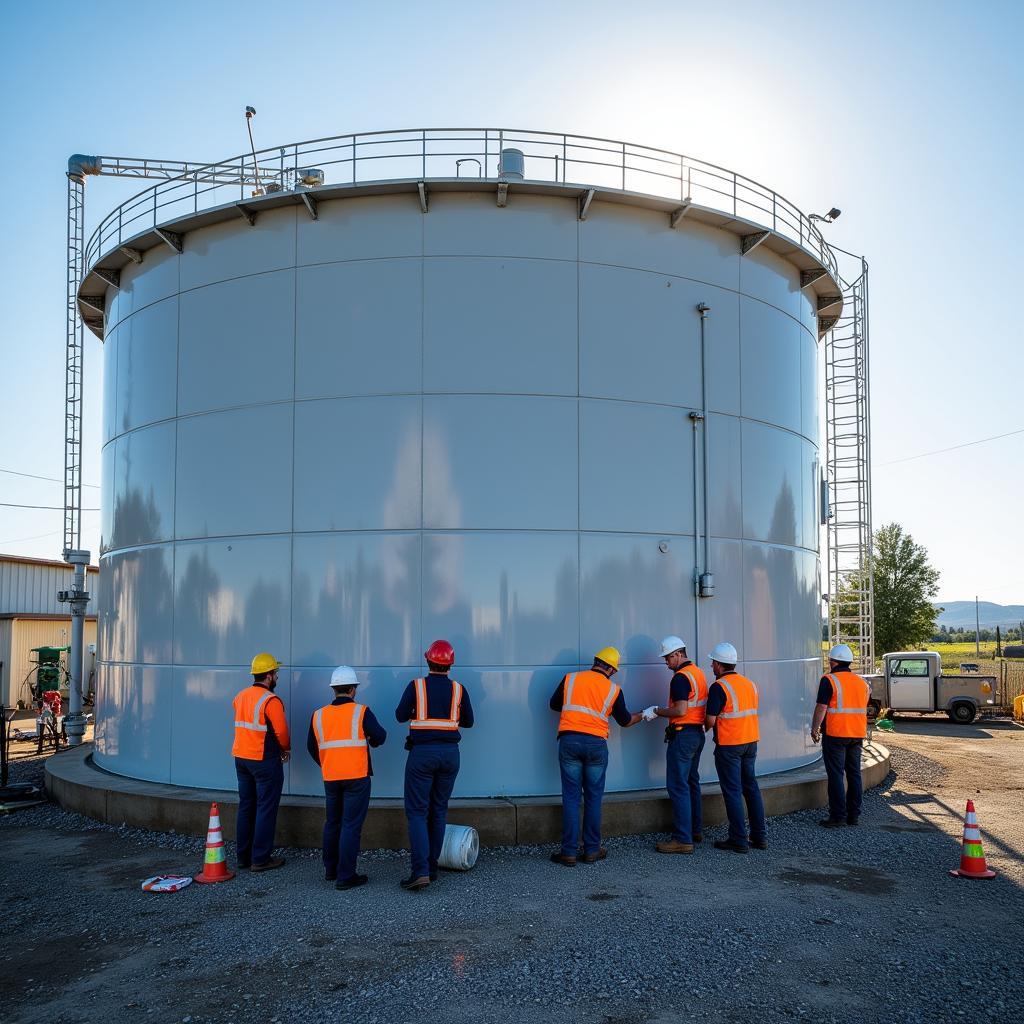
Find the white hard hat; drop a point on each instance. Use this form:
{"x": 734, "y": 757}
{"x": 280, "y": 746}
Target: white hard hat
{"x": 344, "y": 676}
{"x": 724, "y": 654}
{"x": 841, "y": 652}
{"x": 671, "y": 644}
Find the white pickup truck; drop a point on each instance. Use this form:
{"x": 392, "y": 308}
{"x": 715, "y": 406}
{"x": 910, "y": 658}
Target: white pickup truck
{"x": 913, "y": 681}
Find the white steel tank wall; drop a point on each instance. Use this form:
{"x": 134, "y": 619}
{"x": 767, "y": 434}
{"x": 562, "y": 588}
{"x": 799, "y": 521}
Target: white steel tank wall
{"x": 338, "y": 440}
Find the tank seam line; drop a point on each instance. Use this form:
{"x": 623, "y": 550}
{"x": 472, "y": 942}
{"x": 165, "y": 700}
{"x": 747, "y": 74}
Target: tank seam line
{"x": 461, "y": 394}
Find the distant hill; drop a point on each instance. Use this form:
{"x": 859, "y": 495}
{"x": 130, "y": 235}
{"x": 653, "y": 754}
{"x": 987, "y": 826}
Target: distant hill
{"x": 961, "y": 614}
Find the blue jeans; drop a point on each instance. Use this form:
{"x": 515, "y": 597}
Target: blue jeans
{"x": 259, "y": 793}
{"x": 430, "y": 773}
{"x": 842, "y": 758}
{"x": 735, "y": 766}
{"x": 348, "y": 801}
{"x": 682, "y": 780}
{"x": 583, "y": 761}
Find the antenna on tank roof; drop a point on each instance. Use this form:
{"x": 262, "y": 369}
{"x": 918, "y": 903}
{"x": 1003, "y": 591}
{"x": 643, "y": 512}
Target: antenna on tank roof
{"x": 250, "y": 113}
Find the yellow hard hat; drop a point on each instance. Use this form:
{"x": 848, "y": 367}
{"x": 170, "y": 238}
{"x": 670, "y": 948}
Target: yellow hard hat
{"x": 264, "y": 662}
{"x": 610, "y": 656}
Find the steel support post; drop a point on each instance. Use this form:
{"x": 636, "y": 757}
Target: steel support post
{"x": 77, "y": 597}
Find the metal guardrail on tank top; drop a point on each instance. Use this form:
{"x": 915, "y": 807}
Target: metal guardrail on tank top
{"x": 425, "y": 153}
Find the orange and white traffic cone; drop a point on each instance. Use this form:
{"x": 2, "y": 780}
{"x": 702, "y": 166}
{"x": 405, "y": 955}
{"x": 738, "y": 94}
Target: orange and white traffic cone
{"x": 972, "y": 856}
{"x": 215, "y": 863}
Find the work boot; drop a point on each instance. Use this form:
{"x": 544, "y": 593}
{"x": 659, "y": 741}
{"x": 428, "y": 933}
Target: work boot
{"x": 330, "y": 876}
{"x": 852, "y": 822}
{"x": 560, "y": 858}
{"x": 728, "y": 844}
{"x": 759, "y": 844}
{"x": 352, "y": 883}
{"x": 831, "y": 822}
{"x": 673, "y": 846}
{"x": 274, "y": 862}
{"x": 697, "y": 837}
{"x": 592, "y": 858}
{"x": 415, "y": 882}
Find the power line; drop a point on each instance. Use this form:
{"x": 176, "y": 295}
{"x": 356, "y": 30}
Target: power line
{"x": 54, "y": 508}
{"x": 35, "y": 476}
{"x": 37, "y": 536}
{"x": 953, "y": 448}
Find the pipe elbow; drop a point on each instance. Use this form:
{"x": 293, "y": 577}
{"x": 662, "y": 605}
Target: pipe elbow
{"x": 79, "y": 165}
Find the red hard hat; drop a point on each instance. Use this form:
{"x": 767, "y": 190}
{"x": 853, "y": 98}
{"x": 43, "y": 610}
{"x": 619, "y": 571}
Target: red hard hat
{"x": 440, "y": 652}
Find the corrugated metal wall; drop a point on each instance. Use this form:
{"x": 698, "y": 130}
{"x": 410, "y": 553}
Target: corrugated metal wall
{"x": 19, "y": 636}
{"x": 28, "y": 588}
{"x": 5, "y": 656}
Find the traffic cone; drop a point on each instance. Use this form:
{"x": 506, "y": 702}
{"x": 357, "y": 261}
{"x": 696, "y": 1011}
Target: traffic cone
{"x": 972, "y": 856}
{"x": 215, "y": 864}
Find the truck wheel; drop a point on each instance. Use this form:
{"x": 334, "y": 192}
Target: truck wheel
{"x": 962, "y": 712}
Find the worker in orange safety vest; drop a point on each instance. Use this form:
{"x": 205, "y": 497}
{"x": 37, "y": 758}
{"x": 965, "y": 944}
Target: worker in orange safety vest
{"x": 339, "y": 740}
{"x": 684, "y": 734}
{"x": 732, "y": 714}
{"x": 261, "y": 747}
{"x": 842, "y": 708}
{"x": 437, "y": 708}
{"x": 584, "y": 702}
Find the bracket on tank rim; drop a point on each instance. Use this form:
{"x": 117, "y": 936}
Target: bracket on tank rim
{"x": 248, "y": 214}
{"x": 172, "y": 238}
{"x": 110, "y": 277}
{"x": 750, "y": 242}
{"x": 677, "y": 215}
{"x": 584, "y": 202}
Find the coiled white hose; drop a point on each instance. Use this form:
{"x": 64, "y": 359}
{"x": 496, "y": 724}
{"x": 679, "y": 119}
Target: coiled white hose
{"x": 461, "y": 848}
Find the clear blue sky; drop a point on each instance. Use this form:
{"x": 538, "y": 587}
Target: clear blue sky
{"x": 906, "y": 115}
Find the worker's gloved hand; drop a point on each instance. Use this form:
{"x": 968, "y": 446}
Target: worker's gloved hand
{"x": 650, "y": 713}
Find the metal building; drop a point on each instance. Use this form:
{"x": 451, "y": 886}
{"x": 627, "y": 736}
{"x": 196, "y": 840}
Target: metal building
{"x": 31, "y": 616}
{"x": 344, "y": 419}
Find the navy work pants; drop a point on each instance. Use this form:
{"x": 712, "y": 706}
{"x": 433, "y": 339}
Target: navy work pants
{"x": 842, "y": 762}
{"x": 259, "y": 793}
{"x": 430, "y": 773}
{"x": 682, "y": 780}
{"x": 348, "y": 800}
{"x": 735, "y": 765}
{"x": 583, "y": 762}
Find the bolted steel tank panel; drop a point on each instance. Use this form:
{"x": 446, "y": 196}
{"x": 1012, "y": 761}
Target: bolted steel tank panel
{"x": 339, "y": 439}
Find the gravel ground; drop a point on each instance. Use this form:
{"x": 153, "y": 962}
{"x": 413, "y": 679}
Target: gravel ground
{"x": 845, "y": 925}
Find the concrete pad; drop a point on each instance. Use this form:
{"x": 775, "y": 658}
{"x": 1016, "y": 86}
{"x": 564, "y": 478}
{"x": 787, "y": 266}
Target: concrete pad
{"x": 78, "y": 785}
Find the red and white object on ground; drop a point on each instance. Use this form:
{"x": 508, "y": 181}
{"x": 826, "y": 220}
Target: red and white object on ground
{"x": 972, "y": 856}
{"x": 215, "y": 863}
{"x": 166, "y": 883}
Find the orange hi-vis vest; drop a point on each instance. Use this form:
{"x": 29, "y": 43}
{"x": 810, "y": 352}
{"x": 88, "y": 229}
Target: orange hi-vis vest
{"x": 251, "y": 723}
{"x": 847, "y": 714}
{"x": 341, "y": 741}
{"x": 587, "y": 702}
{"x": 697, "y": 701}
{"x": 420, "y": 720}
{"x": 737, "y": 722}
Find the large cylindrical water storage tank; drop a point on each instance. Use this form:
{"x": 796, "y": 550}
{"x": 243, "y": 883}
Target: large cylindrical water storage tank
{"x": 422, "y": 414}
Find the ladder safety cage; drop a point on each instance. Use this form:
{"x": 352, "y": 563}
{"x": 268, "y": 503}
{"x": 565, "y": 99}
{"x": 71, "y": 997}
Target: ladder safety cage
{"x": 848, "y": 468}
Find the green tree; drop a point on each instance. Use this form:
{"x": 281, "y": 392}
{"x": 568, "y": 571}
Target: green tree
{"x": 905, "y": 585}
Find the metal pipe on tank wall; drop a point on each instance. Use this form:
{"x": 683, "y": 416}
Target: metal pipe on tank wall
{"x": 707, "y": 578}
{"x": 695, "y": 419}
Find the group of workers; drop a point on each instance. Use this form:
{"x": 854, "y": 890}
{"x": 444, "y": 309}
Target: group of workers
{"x": 436, "y": 708}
